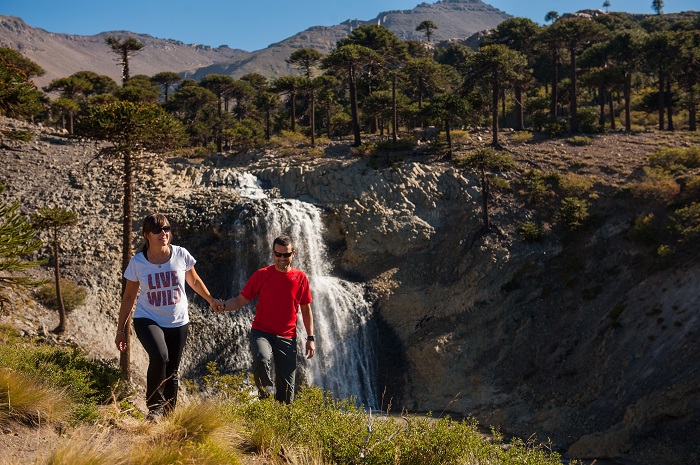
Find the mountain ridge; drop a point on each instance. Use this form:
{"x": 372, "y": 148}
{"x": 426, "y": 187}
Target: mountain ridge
{"x": 62, "y": 54}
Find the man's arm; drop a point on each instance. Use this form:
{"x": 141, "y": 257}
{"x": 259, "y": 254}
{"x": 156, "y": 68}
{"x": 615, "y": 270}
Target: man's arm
{"x": 233, "y": 304}
{"x": 307, "y": 317}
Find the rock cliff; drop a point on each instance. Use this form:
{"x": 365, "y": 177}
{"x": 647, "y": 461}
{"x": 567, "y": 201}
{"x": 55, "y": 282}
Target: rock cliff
{"x": 580, "y": 339}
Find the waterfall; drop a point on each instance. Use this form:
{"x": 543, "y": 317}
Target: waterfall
{"x": 345, "y": 333}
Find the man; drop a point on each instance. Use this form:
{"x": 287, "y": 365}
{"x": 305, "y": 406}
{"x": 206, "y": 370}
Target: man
{"x": 281, "y": 291}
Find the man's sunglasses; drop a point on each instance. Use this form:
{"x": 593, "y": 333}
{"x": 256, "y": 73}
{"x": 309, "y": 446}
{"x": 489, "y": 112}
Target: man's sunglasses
{"x": 165, "y": 229}
{"x": 283, "y": 254}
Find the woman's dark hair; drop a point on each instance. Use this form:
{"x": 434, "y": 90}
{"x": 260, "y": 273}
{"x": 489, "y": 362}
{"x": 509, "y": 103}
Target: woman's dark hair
{"x": 151, "y": 223}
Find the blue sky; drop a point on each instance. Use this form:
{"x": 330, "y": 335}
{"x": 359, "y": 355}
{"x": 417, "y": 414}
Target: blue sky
{"x": 254, "y": 24}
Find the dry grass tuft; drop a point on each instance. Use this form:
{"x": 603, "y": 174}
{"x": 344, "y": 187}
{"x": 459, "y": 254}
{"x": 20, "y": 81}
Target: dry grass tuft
{"x": 26, "y": 399}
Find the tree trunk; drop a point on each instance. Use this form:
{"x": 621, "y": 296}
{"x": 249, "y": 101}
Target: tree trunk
{"x": 555, "y": 90}
{"x": 354, "y": 111}
{"x": 485, "y": 198}
{"x": 692, "y": 111}
{"x": 573, "y": 105}
{"x": 448, "y": 137}
{"x": 661, "y": 104}
{"x": 628, "y": 109}
{"x": 611, "y": 105}
{"x": 312, "y": 118}
{"x": 293, "y": 107}
{"x": 601, "y": 107}
{"x": 494, "y": 110}
{"x": 125, "y": 356}
{"x": 61, "y": 328}
{"x": 519, "y": 109}
{"x": 394, "y": 116}
{"x": 669, "y": 105}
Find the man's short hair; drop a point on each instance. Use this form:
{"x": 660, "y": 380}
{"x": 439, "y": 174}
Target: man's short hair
{"x": 283, "y": 240}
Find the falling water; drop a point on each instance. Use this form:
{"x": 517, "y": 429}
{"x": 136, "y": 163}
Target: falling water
{"x": 345, "y": 360}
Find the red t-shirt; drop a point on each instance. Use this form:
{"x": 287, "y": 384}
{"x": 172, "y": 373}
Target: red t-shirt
{"x": 279, "y": 296}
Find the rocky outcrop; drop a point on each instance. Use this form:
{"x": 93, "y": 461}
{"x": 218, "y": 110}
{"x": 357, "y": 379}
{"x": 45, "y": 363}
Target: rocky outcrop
{"x": 577, "y": 340}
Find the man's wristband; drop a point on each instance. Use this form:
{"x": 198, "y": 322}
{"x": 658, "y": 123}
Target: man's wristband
{"x": 310, "y": 338}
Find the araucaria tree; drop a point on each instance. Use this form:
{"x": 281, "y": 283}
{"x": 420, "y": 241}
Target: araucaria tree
{"x": 484, "y": 161}
{"x": 136, "y": 131}
{"x": 306, "y": 60}
{"x": 124, "y": 49}
{"x": 54, "y": 219}
{"x": 428, "y": 27}
{"x": 495, "y": 67}
{"x": 17, "y": 240}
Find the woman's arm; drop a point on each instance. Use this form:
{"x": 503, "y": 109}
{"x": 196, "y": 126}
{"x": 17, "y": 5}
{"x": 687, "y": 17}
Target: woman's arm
{"x": 131, "y": 291}
{"x": 200, "y": 288}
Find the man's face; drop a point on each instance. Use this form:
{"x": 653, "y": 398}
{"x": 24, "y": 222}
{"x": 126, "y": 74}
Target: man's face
{"x": 283, "y": 256}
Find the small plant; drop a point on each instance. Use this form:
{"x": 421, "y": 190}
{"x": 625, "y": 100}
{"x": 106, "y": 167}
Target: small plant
{"x": 572, "y": 213}
{"x": 685, "y": 222}
{"x": 25, "y": 398}
{"x": 531, "y": 231}
{"x": 579, "y": 141}
{"x": 73, "y": 295}
{"x": 676, "y": 159}
{"x": 522, "y": 137}
{"x": 657, "y": 186}
{"x": 19, "y": 135}
{"x": 575, "y": 185}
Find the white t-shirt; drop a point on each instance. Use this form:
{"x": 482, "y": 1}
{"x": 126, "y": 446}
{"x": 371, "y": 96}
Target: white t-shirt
{"x": 162, "y": 297}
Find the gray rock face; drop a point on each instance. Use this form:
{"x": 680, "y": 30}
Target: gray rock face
{"x": 579, "y": 342}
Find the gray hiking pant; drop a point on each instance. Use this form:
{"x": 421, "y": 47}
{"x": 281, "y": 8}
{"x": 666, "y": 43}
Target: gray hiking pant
{"x": 268, "y": 349}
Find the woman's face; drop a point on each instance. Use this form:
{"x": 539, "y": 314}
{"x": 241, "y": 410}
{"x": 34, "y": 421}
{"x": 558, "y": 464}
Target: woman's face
{"x": 159, "y": 237}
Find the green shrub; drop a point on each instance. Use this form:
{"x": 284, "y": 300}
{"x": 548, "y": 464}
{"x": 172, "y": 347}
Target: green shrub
{"x": 521, "y": 136}
{"x": 657, "y": 186}
{"x": 588, "y": 120}
{"x": 685, "y": 222}
{"x": 20, "y": 135}
{"x": 572, "y": 213}
{"x": 676, "y": 159}
{"x": 579, "y": 140}
{"x": 538, "y": 186}
{"x": 85, "y": 381}
{"x": 531, "y": 231}
{"x": 73, "y": 295}
{"x": 575, "y": 185}
{"x": 645, "y": 229}
{"x": 553, "y": 128}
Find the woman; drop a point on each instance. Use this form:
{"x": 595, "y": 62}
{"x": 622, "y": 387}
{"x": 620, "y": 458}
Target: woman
{"x": 161, "y": 320}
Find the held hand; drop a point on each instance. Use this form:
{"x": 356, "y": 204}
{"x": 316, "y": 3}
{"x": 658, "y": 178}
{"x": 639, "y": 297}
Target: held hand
{"x": 218, "y": 306}
{"x": 310, "y": 349}
{"x": 120, "y": 341}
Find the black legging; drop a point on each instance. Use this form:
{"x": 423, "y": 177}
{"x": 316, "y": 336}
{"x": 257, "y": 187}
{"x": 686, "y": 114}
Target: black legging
{"x": 164, "y": 347}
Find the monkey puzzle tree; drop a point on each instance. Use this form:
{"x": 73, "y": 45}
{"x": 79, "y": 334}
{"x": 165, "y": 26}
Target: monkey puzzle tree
{"x": 136, "y": 131}
{"x": 576, "y": 34}
{"x": 349, "y": 60}
{"x": 427, "y": 27}
{"x": 657, "y": 6}
{"x": 494, "y": 67}
{"x": 485, "y": 160}
{"x": 124, "y": 48}
{"x": 519, "y": 34}
{"x": 17, "y": 239}
{"x": 54, "y": 219}
{"x": 166, "y": 79}
{"x": 306, "y": 59}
